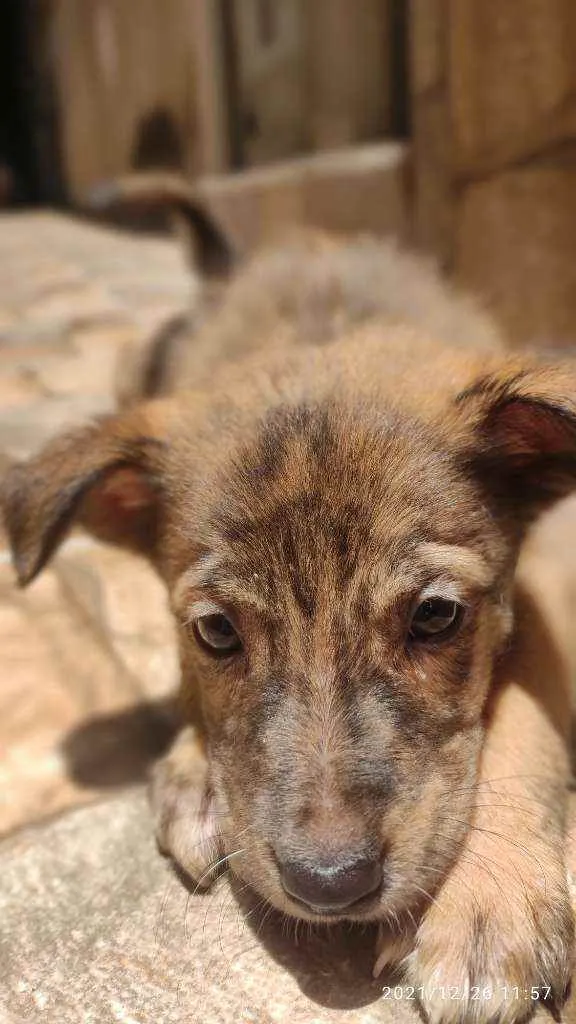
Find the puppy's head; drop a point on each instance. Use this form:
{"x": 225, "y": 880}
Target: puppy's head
{"x": 341, "y": 574}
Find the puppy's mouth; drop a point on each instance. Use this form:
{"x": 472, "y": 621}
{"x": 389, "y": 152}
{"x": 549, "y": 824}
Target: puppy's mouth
{"x": 360, "y": 908}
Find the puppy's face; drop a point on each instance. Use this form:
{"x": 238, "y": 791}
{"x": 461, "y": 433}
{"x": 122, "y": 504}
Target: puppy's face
{"x": 341, "y": 624}
{"x": 341, "y": 578}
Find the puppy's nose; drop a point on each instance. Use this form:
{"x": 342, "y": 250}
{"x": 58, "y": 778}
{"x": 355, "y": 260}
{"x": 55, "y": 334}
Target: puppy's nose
{"x": 332, "y": 885}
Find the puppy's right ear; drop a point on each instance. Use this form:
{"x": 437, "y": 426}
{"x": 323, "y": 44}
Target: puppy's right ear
{"x": 107, "y": 476}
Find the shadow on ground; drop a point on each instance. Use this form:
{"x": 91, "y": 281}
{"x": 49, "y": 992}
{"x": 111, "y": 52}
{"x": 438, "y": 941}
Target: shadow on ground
{"x": 116, "y": 750}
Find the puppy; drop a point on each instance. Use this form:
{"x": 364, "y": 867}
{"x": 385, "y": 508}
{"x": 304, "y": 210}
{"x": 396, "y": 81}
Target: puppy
{"x": 335, "y": 482}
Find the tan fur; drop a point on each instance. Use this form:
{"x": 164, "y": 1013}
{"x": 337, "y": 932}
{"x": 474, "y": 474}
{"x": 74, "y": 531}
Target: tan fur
{"x": 350, "y": 440}
{"x": 310, "y": 291}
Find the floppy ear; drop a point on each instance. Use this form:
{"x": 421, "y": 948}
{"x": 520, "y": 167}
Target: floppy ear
{"x": 523, "y": 447}
{"x": 106, "y": 476}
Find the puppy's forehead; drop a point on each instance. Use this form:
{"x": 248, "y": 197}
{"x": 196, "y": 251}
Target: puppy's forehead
{"x": 321, "y": 489}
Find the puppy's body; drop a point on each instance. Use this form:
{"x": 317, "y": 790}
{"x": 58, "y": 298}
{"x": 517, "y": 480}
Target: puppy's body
{"x": 335, "y": 487}
{"x": 311, "y": 291}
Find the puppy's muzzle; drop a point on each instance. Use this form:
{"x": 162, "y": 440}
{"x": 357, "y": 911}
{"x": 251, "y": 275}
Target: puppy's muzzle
{"x": 332, "y": 886}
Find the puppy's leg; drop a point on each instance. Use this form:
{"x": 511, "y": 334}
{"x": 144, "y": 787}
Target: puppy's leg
{"x": 499, "y": 936}
{"x": 185, "y": 819}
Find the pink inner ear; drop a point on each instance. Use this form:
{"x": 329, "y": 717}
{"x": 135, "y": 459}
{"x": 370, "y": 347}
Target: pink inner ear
{"x": 125, "y": 490}
{"x": 524, "y": 427}
{"x": 122, "y": 508}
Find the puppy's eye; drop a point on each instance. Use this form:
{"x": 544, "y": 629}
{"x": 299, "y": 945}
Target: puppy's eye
{"x": 435, "y": 618}
{"x": 216, "y": 634}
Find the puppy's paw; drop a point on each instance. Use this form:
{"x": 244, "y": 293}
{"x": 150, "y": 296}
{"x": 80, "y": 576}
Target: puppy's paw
{"x": 485, "y": 956}
{"x": 183, "y": 810}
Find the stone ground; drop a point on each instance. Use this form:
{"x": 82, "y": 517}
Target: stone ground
{"x": 86, "y": 654}
{"x": 95, "y": 929}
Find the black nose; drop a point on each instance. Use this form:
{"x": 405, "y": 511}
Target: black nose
{"x": 332, "y": 885}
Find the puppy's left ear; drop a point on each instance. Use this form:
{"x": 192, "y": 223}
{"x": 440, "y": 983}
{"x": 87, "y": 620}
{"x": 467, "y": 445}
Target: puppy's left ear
{"x": 522, "y": 446}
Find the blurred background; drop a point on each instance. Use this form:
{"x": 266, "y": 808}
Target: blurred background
{"x": 450, "y": 124}
{"x": 468, "y": 109}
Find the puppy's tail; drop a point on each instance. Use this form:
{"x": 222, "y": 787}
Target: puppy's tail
{"x": 207, "y": 247}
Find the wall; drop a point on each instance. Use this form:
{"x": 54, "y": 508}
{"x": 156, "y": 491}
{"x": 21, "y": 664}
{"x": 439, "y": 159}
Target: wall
{"x": 494, "y": 97}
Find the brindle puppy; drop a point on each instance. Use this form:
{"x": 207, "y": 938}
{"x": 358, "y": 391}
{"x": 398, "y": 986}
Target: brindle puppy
{"x": 378, "y": 711}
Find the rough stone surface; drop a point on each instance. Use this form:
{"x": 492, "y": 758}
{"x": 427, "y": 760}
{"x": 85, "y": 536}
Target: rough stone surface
{"x": 95, "y": 928}
{"x": 71, "y": 294}
{"x": 87, "y": 654}
{"x": 87, "y": 658}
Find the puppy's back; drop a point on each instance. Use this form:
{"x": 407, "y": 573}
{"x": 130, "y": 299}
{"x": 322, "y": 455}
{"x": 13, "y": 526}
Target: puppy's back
{"x": 311, "y": 290}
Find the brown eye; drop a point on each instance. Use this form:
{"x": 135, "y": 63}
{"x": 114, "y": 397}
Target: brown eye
{"x": 435, "y": 618}
{"x": 216, "y": 634}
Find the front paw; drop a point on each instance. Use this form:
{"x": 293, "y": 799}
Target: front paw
{"x": 487, "y": 956}
{"x": 185, "y": 820}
